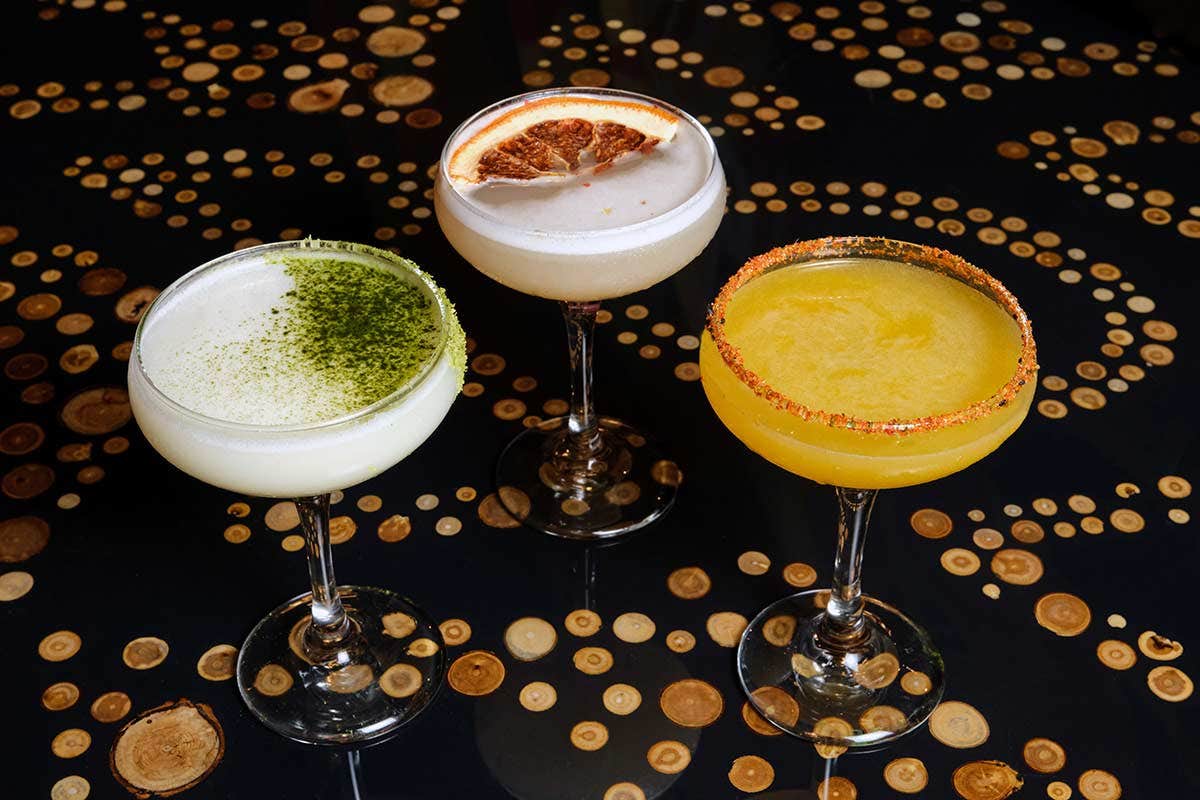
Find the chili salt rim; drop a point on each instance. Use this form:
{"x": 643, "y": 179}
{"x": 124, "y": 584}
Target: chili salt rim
{"x": 890, "y": 249}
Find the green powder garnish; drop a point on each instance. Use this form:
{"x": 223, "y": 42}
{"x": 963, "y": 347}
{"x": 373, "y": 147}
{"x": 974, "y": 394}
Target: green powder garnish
{"x": 359, "y": 326}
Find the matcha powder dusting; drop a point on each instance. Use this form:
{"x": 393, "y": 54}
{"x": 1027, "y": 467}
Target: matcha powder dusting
{"x": 356, "y": 326}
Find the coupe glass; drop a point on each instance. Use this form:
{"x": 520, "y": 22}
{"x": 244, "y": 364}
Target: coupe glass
{"x": 584, "y": 476}
{"x": 337, "y": 666}
{"x": 835, "y": 666}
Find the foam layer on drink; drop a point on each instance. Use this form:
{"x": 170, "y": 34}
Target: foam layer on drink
{"x": 289, "y": 339}
{"x": 636, "y": 188}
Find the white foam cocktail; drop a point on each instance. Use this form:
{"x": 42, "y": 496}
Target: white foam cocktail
{"x": 581, "y": 195}
{"x": 292, "y": 370}
{"x": 589, "y": 237}
{"x": 238, "y": 408}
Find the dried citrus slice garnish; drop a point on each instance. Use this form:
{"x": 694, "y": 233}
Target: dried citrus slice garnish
{"x": 559, "y": 136}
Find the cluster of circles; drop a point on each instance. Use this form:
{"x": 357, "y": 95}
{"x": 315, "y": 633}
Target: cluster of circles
{"x": 154, "y": 187}
{"x": 202, "y": 75}
{"x": 893, "y": 46}
{"x": 72, "y": 401}
{"x": 1121, "y": 194}
{"x": 670, "y": 56}
{"x": 1059, "y": 612}
{"x": 182, "y": 726}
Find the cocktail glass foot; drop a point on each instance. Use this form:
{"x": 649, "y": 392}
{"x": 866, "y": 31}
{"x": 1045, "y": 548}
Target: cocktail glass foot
{"x": 841, "y": 689}
{"x": 385, "y": 668}
{"x": 589, "y": 485}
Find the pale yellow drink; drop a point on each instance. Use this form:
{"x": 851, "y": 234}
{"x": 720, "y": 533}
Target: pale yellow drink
{"x": 875, "y": 340}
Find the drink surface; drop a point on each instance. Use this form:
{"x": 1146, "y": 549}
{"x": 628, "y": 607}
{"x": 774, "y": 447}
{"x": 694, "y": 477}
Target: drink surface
{"x": 873, "y": 339}
{"x": 638, "y": 187}
{"x": 289, "y": 339}
{"x": 593, "y": 235}
{"x": 300, "y": 335}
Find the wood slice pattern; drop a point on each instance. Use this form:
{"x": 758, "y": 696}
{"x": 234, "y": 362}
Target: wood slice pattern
{"x": 273, "y": 680}
{"x": 476, "y": 673}
{"x": 350, "y": 679}
{"x": 400, "y": 680}
{"x": 1044, "y": 755}
{"x": 589, "y": 735}
{"x": 1170, "y": 684}
{"x": 916, "y": 683}
{"x": 1159, "y": 648}
{"x": 837, "y": 787}
{"x": 530, "y": 638}
{"x": 624, "y": 791}
{"x": 756, "y": 722}
{"x": 878, "y": 672}
{"x": 111, "y": 706}
{"x": 582, "y": 622}
{"x": 1116, "y": 654}
{"x": 71, "y": 743}
{"x": 882, "y": 718}
{"x": 633, "y": 627}
{"x": 422, "y": 647}
{"x": 691, "y": 703}
{"x": 726, "y": 627}
{"x": 72, "y": 787}
{"x": 59, "y": 646}
{"x": 494, "y": 514}
{"x": 799, "y": 574}
{"x": 680, "y": 641}
{"x": 537, "y": 696}
{"x": 957, "y": 724}
{"x": 752, "y": 562}
{"x": 218, "y": 663}
{"x": 167, "y": 749}
{"x": 689, "y": 583}
{"x": 398, "y": 625}
{"x": 906, "y": 775}
{"x": 931, "y": 523}
{"x": 60, "y": 696}
{"x": 669, "y": 757}
{"x": 96, "y": 412}
{"x": 622, "y": 699}
{"x": 751, "y": 774}
{"x": 145, "y": 652}
{"x": 779, "y": 629}
{"x": 455, "y": 632}
{"x": 1063, "y": 613}
{"x": 22, "y": 538}
{"x": 1016, "y": 566}
{"x": 986, "y": 780}
{"x": 592, "y": 660}
{"x": 395, "y": 528}
{"x": 1096, "y": 784}
{"x": 831, "y": 728}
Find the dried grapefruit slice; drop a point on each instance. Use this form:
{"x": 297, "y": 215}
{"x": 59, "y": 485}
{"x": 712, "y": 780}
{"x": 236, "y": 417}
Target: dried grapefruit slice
{"x": 558, "y": 136}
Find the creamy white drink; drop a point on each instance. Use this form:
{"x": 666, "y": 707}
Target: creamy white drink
{"x": 589, "y": 234}
{"x": 581, "y": 195}
{"x": 296, "y": 371}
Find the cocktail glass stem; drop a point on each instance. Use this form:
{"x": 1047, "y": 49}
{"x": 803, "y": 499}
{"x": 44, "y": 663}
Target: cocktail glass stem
{"x": 582, "y": 424}
{"x": 585, "y": 476}
{"x": 843, "y": 621}
{"x": 329, "y": 627}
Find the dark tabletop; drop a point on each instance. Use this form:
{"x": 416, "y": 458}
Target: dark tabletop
{"x": 141, "y": 141}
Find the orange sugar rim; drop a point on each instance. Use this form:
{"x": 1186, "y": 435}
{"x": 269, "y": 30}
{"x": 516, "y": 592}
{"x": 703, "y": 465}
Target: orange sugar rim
{"x": 889, "y": 249}
{"x": 565, "y": 99}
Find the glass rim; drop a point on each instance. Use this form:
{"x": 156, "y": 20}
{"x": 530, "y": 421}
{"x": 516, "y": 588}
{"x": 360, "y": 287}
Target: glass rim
{"x": 391, "y": 259}
{"x": 691, "y": 200}
{"x": 923, "y": 256}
